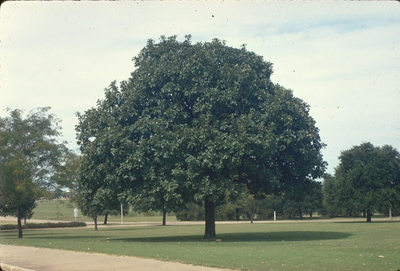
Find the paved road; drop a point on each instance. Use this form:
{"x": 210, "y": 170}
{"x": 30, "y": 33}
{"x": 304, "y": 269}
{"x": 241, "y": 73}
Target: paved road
{"x": 41, "y": 259}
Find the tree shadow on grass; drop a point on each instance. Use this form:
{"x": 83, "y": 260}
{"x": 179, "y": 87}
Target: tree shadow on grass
{"x": 92, "y": 234}
{"x": 368, "y": 223}
{"x": 286, "y": 236}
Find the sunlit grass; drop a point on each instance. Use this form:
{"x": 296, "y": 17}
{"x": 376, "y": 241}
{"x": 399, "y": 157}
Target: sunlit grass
{"x": 258, "y": 246}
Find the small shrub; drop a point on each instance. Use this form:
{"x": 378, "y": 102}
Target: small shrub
{"x": 8, "y": 227}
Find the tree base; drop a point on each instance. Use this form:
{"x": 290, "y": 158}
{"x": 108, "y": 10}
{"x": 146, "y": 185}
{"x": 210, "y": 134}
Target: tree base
{"x": 210, "y": 220}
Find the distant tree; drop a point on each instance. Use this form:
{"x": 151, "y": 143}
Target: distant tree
{"x": 96, "y": 192}
{"x": 67, "y": 174}
{"x": 190, "y": 212}
{"x": 30, "y": 155}
{"x": 232, "y": 206}
{"x": 100, "y": 201}
{"x": 338, "y": 197}
{"x": 113, "y": 207}
{"x": 330, "y": 196}
{"x": 93, "y": 203}
{"x": 250, "y": 207}
{"x": 271, "y": 204}
{"x": 205, "y": 118}
{"x": 312, "y": 201}
{"x": 162, "y": 198}
{"x": 291, "y": 208}
{"x": 389, "y": 162}
{"x": 229, "y": 211}
{"x": 305, "y": 201}
{"x": 369, "y": 177}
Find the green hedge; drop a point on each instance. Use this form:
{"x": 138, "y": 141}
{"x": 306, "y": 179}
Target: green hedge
{"x": 44, "y": 225}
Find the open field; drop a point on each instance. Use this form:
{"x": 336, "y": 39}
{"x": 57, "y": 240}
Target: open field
{"x": 259, "y": 246}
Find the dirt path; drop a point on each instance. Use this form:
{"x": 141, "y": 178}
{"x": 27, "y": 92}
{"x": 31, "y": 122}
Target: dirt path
{"x": 42, "y": 259}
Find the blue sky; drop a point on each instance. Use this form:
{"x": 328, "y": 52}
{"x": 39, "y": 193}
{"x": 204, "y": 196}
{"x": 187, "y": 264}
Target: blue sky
{"x": 342, "y": 57}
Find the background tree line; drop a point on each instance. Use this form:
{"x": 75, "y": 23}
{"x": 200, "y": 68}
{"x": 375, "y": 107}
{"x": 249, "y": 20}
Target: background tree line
{"x": 35, "y": 165}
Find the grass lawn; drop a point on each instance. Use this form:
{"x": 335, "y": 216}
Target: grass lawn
{"x": 258, "y": 246}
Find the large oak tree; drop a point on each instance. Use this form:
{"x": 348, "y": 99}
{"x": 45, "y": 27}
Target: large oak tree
{"x": 196, "y": 120}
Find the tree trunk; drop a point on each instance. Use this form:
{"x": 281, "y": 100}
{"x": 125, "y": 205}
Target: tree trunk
{"x": 95, "y": 222}
{"x": 164, "y": 218}
{"x": 105, "y": 219}
{"x": 19, "y": 225}
{"x": 210, "y": 220}
{"x": 369, "y": 215}
{"x": 390, "y": 214}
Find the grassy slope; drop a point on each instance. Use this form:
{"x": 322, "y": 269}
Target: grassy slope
{"x": 270, "y": 246}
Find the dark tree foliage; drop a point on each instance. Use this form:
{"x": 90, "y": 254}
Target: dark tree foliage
{"x": 30, "y": 156}
{"x": 310, "y": 202}
{"x": 331, "y": 200}
{"x": 196, "y": 120}
{"x": 368, "y": 178}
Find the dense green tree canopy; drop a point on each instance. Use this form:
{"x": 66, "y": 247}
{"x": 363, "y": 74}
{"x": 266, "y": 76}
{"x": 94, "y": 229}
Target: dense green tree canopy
{"x": 29, "y": 158}
{"x": 368, "y": 178}
{"x": 196, "y": 120}
{"x": 331, "y": 200}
